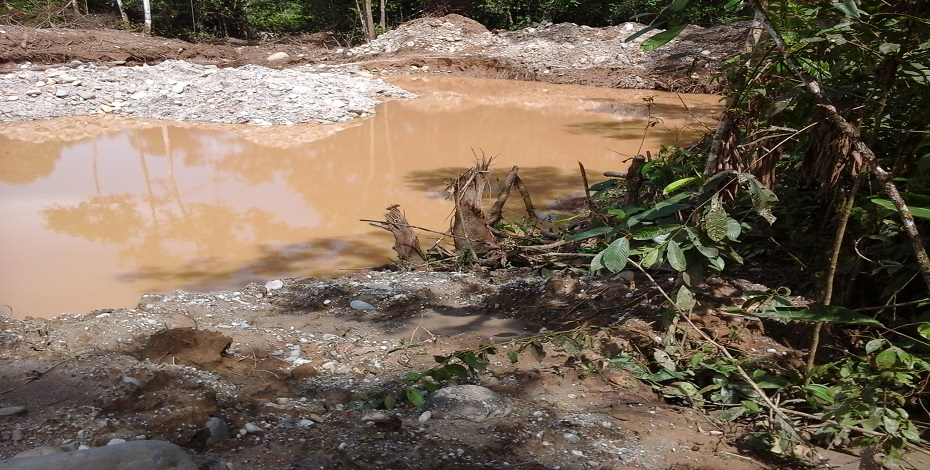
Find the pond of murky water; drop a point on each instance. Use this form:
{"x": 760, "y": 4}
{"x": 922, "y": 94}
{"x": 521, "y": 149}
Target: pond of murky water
{"x": 97, "y": 211}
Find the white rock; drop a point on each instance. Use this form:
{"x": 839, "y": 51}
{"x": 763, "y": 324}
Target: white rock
{"x": 132, "y": 380}
{"x": 251, "y": 428}
{"x": 278, "y": 56}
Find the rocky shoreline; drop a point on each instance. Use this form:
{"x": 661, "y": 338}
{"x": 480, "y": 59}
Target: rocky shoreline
{"x": 182, "y": 91}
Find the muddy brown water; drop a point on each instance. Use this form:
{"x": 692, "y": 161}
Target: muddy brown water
{"x": 97, "y": 211}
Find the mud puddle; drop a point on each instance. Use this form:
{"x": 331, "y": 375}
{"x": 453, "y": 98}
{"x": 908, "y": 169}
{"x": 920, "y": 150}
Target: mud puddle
{"x": 101, "y": 211}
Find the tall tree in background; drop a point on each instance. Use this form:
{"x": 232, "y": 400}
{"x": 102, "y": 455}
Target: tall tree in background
{"x": 383, "y": 19}
{"x": 147, "y": 11}
{"x": 122, "y": 12}
{"x": 368, "y": 21}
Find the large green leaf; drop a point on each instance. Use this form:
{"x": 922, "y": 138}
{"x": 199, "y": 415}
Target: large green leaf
{"x": 685, "y": 299}
{"x": 818, "y": 314}
{"x": 849, "y": 8}
{"x": 886, "y": 359}
{"x": 924, "y": 330}
{"x": 678, "y": 5}
{"x": 606, "y": 184}
{"x": 643, "y": 31}
{"x": 761, "y": 197}
{"x": 457, "y": 370}
{"x": 715, "y": 221}
{"x": 733, "y": 229}
{"x": 415, "y": 397}
{"x": 597, "y": 263}
{"x": 658, "y": 40}
{"x": 676, "y": 185}
{"x": 919, "y": 212}
{"x": 820, "y": 391}
{"x": 652, "y": 231}
{"x": 675, "y": 256}
{"x": 661, "y": 209}
{"x": 616, "y": 254}
{"x": 709, "y": 252}
{"x": 651, "y": 258}
{"x": 590, "y": 233}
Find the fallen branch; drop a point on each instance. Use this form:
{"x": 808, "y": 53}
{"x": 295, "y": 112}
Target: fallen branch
{"x": 496, "y": 213}
{"x": 513, "y": 179}
{"x": 406, "y": 243}
{"x": 546, "y": 247}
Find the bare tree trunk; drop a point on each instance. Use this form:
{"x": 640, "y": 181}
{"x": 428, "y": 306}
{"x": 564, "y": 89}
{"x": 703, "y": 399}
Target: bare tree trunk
{"x": 365, "y": 19}
{"x": 634, "y": 179}
{"x": 369, "y": 21}
{"x": 147, "y": 11}
{"x": 859, "y": 147}
{"x": 122, "y": 12}
{"x": 383, "y": 18}
{"x": 469, "y": 226}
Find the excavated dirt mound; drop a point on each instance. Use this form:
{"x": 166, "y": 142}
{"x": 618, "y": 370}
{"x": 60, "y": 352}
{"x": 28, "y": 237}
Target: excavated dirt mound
{"x": 61, "y": 45}
{"x": 561, "y": 53}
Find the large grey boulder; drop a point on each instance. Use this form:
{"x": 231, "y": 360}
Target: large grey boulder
{"x": 471, "y": 402}
{"x": 135, "y": 455}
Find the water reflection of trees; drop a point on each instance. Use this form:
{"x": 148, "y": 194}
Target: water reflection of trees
{"x": 100, "y": 218}
{"x": 157, "y": 229}
{"x": 25, "y": 162}
{"x": 178, "y": 224}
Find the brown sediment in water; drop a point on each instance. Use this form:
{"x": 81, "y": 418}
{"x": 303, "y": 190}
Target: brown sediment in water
{"x": 102, "y": 210}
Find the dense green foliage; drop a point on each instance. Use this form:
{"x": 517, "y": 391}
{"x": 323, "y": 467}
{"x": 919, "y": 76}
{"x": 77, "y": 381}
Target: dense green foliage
{"x": 206, "y": 19}
{"x": 872, "y": 60}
